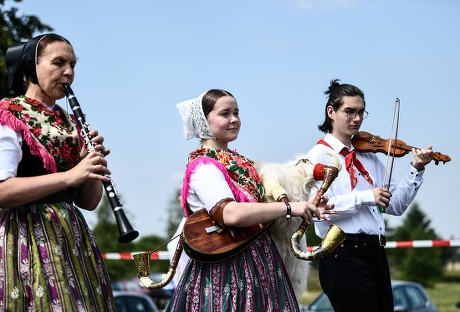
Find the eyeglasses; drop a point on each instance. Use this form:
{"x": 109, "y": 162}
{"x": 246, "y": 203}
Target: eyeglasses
{"x": 351, "y": 113}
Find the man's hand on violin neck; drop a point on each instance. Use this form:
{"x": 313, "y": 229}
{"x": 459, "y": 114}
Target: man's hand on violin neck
{"x": 422, "y": 157}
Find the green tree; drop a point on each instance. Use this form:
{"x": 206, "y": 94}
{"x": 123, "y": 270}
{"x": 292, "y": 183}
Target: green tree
{"x": 175, "y": 214}
{"x": 423, "y": 265}
{"x": 15, "y": 28}
{"x": 106, "y": 232}
{"x": 158, "y": 243}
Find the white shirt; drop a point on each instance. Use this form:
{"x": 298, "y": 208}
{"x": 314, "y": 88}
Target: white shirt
{"x": 207, "y": 187}
{"x": 357, "y": 212}
{"x": 10, "y": 152}
{"x": 183, "y": 260}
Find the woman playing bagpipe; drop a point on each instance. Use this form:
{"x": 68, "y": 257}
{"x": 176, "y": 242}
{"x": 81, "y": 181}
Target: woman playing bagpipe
{"x": 228, "y": 187}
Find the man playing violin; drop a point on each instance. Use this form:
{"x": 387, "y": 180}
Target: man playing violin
{"x": 356, "y": 276}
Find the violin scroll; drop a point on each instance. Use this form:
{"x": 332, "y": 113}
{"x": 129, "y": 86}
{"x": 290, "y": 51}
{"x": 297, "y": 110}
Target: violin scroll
{"x": 437, "y": 157}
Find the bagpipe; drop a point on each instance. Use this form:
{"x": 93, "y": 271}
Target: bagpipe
{"x": 205, "y": 240}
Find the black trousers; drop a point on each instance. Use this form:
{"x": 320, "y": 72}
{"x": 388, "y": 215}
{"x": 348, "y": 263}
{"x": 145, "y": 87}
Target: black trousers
{"x": 356, "y": 278}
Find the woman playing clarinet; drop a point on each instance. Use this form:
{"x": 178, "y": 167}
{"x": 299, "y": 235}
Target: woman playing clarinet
{"x": 49, "y": 260}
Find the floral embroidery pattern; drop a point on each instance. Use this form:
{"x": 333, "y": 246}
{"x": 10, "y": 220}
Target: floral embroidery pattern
{"x": 249, "y": 281}
{"x": 53, "y": 129}
{"x": 44, "y": 275}
{"x": 240, "y": 168}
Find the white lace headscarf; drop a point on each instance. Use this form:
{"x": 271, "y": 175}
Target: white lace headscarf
{"x": 193, "y": 119}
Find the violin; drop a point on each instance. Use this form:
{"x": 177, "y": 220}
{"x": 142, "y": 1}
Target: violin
{"x": 366, "y": 142}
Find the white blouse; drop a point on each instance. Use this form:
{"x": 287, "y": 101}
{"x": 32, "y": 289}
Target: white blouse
{"x": 207, "y": 187}
{"x": 10, "y": 152}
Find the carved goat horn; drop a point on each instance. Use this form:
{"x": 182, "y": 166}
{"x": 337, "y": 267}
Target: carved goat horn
{"x": 334, "y": 236}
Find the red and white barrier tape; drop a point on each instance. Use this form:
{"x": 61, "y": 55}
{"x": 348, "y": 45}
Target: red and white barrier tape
{"x": 157, "y": 255}
{"x": 424, "y": 243}
{"x": 163, "y": 255}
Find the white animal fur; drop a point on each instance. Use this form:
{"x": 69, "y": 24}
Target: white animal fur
{"x": 295, "y": 179}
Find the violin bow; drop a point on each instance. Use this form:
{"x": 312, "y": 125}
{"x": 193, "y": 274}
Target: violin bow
{"x": 386, "y": 183}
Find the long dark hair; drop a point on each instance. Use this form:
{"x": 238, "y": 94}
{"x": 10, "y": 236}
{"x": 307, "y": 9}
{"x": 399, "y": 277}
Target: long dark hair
{"x": 336, "y": 92}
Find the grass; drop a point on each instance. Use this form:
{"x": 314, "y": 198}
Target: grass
{"x": 445, "y": 294}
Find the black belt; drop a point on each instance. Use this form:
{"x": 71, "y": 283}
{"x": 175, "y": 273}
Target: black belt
{"x": 62, "y": 196}
{"x": 380, "y": 240}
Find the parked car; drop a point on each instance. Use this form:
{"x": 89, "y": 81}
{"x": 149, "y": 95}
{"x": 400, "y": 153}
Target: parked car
{"x": 159, "y": 296}
{"x": 134, "y": 302}
{"x": 407, "y": 297}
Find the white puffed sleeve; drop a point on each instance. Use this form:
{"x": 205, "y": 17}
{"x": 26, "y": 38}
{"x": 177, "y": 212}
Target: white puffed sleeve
{"x": 207, "y": 187}
{"x": 10, "y": 152}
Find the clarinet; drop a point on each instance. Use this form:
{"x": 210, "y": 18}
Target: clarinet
{"x": 127, "y": 233}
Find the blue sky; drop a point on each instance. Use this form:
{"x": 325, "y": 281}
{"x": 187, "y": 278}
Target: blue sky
{"x": 137, "y": 59}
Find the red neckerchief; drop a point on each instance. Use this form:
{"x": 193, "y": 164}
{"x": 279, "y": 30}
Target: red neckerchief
{"x": 350, "y": 161}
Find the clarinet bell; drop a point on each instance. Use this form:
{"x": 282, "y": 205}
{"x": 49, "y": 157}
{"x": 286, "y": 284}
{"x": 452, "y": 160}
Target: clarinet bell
{"x": 127, "y": 233}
